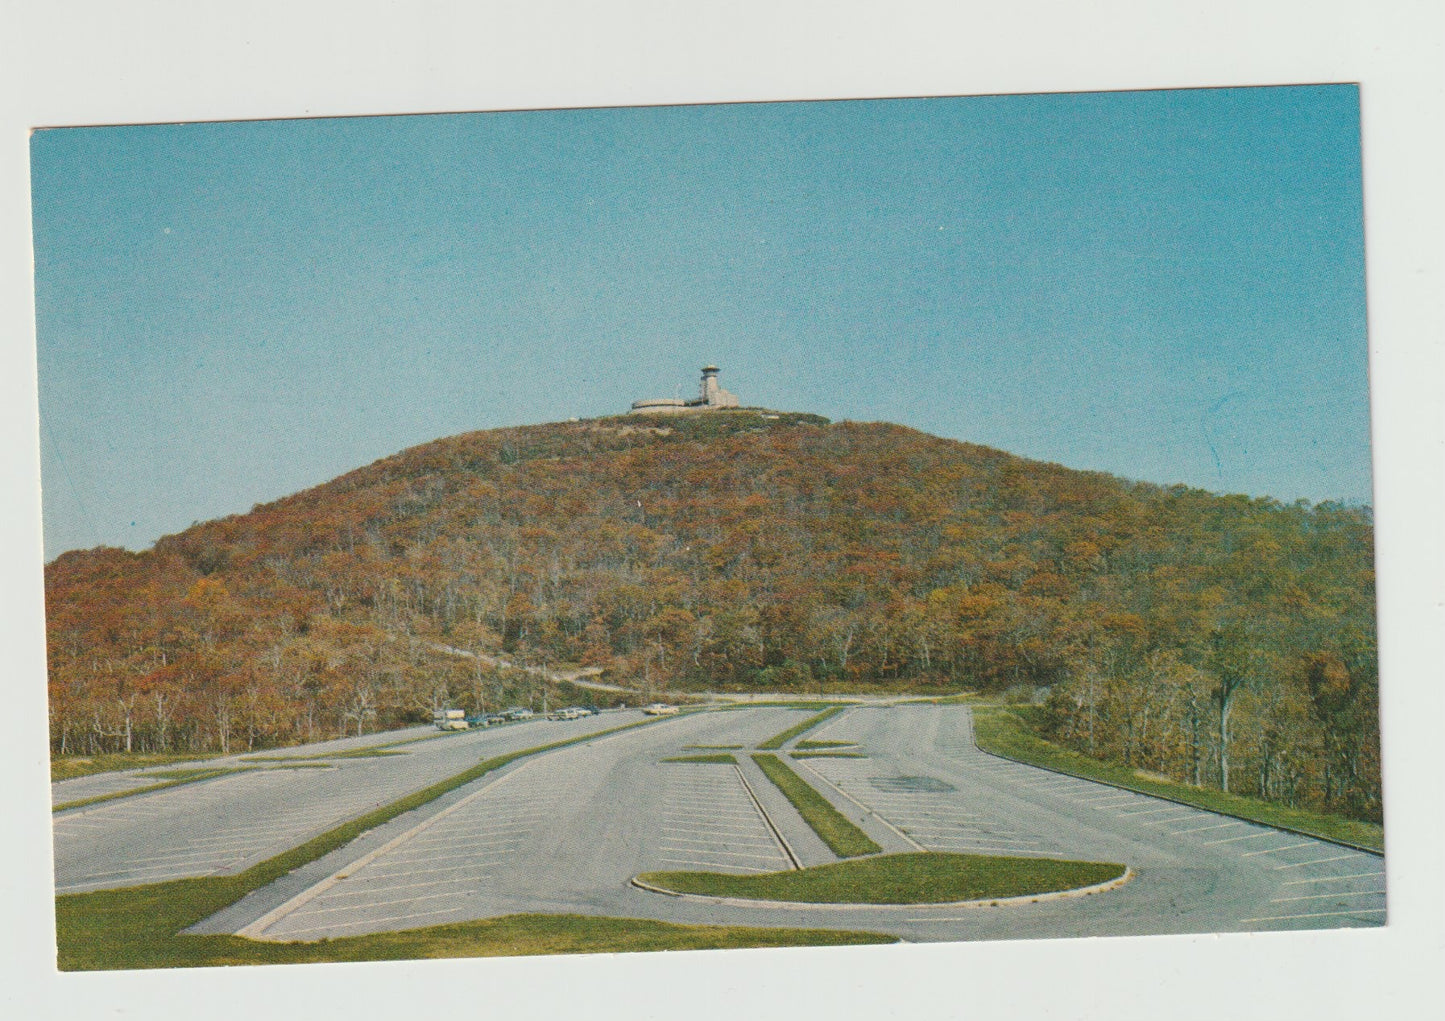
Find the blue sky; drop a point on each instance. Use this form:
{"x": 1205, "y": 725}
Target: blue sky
{"x": 1168, "y": 286}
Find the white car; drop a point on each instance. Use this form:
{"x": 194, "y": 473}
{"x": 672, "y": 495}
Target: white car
{"x": 660, "y": 709}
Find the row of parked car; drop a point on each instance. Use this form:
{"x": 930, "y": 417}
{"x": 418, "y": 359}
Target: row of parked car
{"x": 572, "y": 712}
{"x": 457, "y": 719}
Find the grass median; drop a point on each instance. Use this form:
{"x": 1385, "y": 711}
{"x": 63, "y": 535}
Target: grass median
{"x": 71, "y": 767}
{"x": 718, "y": 758}
{"x": 915, "y": 878}
{"x": 778, "y": 740}
{"x": 842, "y": 837}
{"x": 171, "y": 778}
{"x": 1004, "y": 730}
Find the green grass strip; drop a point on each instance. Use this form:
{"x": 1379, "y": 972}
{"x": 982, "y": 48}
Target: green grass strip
{"x": 138, "y": 927}
{"x": 779, "y": 704}
{"x": 778, "y": 740}
{"x": 71, "y": 767}
{"x": 1004, "y": 731}
{"x": 719, "y": 759}
{"x": 180, "y": 777}
{"x": 509, "y": 936}
{"x": 827, "y": 755}
{"x": 810, "y": 745}
{"x": 372, "y": 752}
{"x": 842, "y": 837}
{"x": 915, "y": 878}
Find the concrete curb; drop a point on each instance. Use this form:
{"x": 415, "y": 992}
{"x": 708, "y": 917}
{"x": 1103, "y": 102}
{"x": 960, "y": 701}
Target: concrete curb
{"x": 990, "y": 902}
{"x": 1178, "y": 801}
{"x": 787, "y": 848}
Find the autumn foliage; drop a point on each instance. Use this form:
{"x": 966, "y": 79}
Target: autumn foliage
{"x": 1218, "y": 639}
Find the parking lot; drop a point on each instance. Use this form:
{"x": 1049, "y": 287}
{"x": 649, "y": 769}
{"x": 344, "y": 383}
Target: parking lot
{"x": 1259, "y": 877}
{"x": 228, "y": 823}
{"x": 709, "y": 821}
{"x": 566, "y": 830}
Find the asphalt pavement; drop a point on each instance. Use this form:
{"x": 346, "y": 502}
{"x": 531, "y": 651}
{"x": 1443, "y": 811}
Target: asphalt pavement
{"x": 284, "y": 797}
{"x": 567, "y": 830}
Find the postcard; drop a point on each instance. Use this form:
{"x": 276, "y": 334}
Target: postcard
{"x": 629, "y": 529}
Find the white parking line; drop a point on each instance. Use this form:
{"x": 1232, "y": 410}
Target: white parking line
{"x": 719, "y": 851}
{"x": 512, "y": 819}
{"x": 1156, "y": 811}
{"x": 1329, "y": 896}
{"x": 1333, "y": 879}
{"x": 1316, "y": 914}
{"x": 720, "y": 830}
{"x": 1036, "y": 851}
{"x": 490, "y": 831}
{"x": 704, "y": 791}
{"x": 1317, "y": 861}
{"x": 675, "y": 814}
{"x": 376, "y": 904}
{"x": 343, "y": 892}
{"x": 365, "y": 874}
{"x": 427, "y": 860}
{"x": 1201, "y": 829}
{"x": 720, "y": 845}
{"x": 1272, "y": 850}
{"x": 504, "y": 842}
{"x": 713, "y": 864}
{"x": 390, "y": 918}
{"x": 712, "y": 847}
{"x": 1234, "y": 840}
{"x": 184, "y": 855}
{"x": 966, "y": 835}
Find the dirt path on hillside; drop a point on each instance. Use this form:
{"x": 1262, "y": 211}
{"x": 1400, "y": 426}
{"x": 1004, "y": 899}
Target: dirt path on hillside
{"x": 582, "y": 677}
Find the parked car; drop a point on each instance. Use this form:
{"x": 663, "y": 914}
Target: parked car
{"x": 660, "y": 709}
{"x": 520, "y": 714}
{"x": 450, "y": 719}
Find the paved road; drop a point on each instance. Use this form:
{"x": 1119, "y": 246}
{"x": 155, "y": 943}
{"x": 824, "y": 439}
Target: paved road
{"x": 566, "y": 831}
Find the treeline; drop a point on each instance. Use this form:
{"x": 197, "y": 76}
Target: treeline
{"x": 1222, "y": 639}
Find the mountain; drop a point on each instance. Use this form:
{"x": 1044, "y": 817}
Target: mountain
{"x": 1183, "y": 631}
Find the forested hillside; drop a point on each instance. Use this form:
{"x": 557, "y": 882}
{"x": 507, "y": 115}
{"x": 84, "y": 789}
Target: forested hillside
{"x": 1221, "y": 640}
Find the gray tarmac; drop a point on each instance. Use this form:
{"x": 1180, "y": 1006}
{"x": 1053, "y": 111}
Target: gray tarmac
{"x": 227, "y": 824}
{"x": 567, "y": 830}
